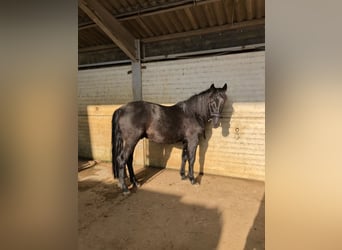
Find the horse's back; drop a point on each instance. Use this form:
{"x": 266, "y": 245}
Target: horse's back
{"x": 161, "y": 124}
{"x": 166, "y": 124}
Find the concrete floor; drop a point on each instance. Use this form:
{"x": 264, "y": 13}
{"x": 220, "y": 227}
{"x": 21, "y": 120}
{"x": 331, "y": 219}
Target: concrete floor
{"x": 168, "y": 213}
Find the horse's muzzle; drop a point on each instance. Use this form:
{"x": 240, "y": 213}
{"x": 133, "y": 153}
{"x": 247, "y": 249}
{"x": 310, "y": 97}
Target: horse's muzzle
{"x": 215, "y": 119}
{"x": 216, "y": 122}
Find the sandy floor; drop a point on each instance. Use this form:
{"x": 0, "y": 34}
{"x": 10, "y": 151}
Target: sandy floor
{"x": 168, "y": 213}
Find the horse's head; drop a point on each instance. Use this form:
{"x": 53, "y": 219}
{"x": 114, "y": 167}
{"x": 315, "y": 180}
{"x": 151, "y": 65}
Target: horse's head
{"x": 217, "y": 98}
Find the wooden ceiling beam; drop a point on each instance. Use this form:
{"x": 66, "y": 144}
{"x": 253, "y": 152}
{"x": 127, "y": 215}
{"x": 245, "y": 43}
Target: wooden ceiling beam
{"x": 203, "y": 31}
{"x": 110, "y": 26}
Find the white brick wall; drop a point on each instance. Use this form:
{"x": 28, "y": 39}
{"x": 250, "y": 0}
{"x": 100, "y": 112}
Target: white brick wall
{"x": 105, "y": 86}
{"x": 100, "y": 87}
{"x": 173, "y": 81}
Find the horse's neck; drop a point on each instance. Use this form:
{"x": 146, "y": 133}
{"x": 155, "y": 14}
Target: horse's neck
{"x": 197, "y": 106}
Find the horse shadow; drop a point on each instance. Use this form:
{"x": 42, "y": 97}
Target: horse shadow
{"x": 145, "y": 175}
{"x": 147, "y": 220}
{"x": 256, "y": 235}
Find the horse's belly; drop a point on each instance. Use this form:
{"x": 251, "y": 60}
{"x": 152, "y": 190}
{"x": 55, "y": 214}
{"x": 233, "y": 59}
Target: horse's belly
{"x": 171, "y": 137}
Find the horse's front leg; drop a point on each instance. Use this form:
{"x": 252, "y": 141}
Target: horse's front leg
{"x": 184, "y": 160}
{"x": 192, "y": 146}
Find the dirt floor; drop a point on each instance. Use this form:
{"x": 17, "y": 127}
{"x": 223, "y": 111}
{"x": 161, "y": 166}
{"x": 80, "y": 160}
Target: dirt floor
{"x": 168, "y": 213}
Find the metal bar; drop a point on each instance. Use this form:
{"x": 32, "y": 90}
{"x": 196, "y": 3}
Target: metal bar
{"x": 204, "y": 52}
{"x": 87, "y": 26}
{"x": 92, "y": 65}
{"x": 97, "y": 48}
{"x": 162, "y": 8}
{"x": 180, "y": 55}
{"x": 205, "y": 30}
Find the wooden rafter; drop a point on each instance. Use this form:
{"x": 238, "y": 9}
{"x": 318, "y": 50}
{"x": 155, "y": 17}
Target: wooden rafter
{"x": 110, "y": 26}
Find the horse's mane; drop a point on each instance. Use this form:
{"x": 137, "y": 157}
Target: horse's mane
{"x": 197, "y": 104}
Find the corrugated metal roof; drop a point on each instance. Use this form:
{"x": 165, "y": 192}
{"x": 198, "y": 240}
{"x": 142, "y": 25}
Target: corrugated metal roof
{"x": 152, "y": 18}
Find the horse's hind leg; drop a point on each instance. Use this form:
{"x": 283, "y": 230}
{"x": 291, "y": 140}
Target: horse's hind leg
{"x": 122, "y": 183}
{"x": 131, "y": 171}
{"x": 184, "y": 159}
{"x": 122, "y": 160}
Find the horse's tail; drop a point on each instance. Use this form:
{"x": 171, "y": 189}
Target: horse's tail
{"x": 116, "y": 142}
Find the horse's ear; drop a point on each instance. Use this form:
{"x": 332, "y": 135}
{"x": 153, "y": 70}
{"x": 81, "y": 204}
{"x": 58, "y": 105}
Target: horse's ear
{"x": 225, "y": 87}
{"x": 212, "y": 86}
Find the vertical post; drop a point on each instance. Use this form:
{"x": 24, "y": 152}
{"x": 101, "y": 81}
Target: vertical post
{"x": 136, "y": 74}
{"x": 137, "y": 86}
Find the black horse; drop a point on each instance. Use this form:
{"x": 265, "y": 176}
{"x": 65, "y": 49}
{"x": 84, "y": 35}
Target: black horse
{"x": 182, "y": 122}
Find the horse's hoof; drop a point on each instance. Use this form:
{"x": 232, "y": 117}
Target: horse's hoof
{"x": 136, "y": 184}
{"x": 126, "y": 192}
{"x": 183, "y": 177}
{"x": 193, "y": 181}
